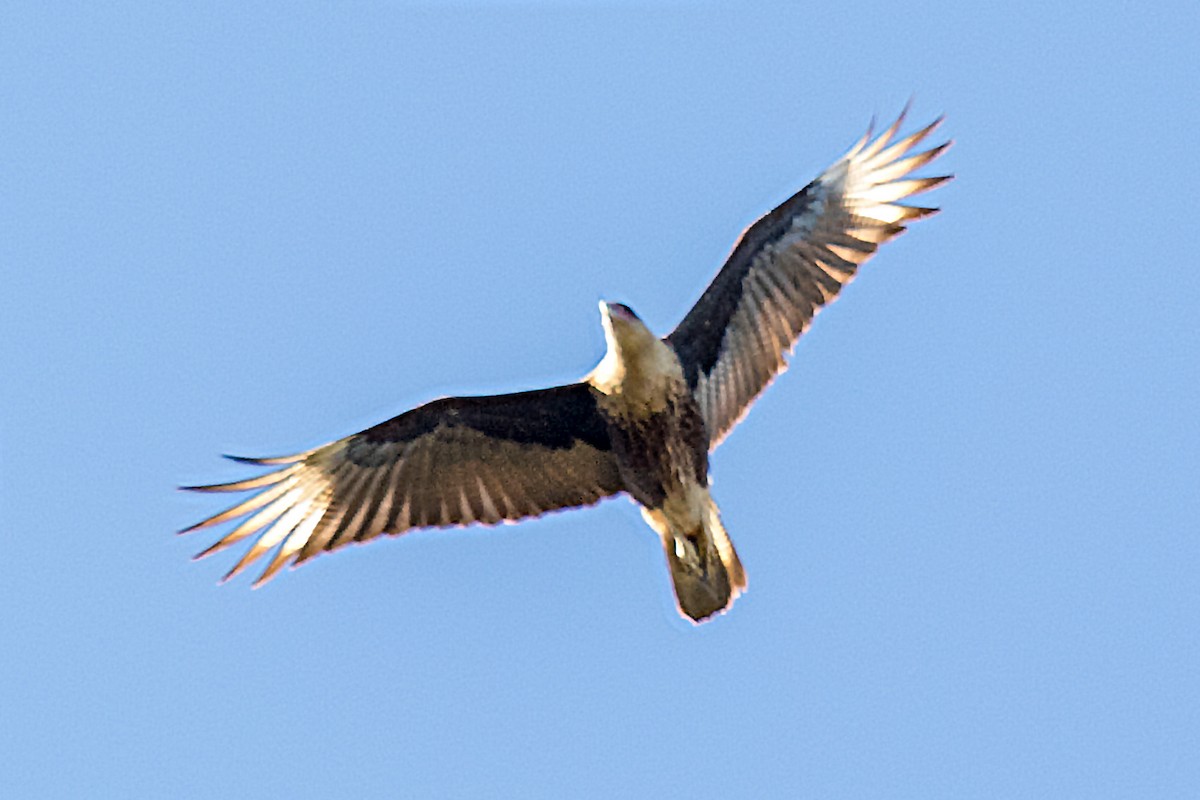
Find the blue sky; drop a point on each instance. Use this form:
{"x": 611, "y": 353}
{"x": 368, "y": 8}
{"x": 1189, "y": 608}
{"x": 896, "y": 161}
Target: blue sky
{"x": 968, "y": 512}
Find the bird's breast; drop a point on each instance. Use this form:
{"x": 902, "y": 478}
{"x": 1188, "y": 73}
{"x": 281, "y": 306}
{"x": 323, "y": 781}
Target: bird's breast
{"x": 660, "y": 450}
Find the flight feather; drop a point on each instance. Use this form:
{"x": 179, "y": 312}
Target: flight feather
{"x": 450, "y": 462}
{"x": 789, "y": 265}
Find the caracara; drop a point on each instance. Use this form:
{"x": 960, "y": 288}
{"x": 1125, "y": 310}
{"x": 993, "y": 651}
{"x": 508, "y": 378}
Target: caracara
{"x": 642, "y": 423}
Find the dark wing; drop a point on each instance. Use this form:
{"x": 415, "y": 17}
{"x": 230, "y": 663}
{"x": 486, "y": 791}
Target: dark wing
{"x": 449, "y": 462}
{"x": 790, "y": 264}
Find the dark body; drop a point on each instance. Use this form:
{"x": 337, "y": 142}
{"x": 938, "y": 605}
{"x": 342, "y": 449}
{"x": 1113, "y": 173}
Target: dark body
{"x": 661, "y": 449}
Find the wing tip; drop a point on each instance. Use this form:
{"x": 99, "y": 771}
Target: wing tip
{"x": 233, "y": 572}
{"x": 199, "y": 487}
{"x": 215, "y": 547}
{"x": 928, "y": 184}
{"x": 282, "y": 558}
{"x": 269, "y": 573}
{"x": 207, "y": 522}
{"x": 267, "y": 461}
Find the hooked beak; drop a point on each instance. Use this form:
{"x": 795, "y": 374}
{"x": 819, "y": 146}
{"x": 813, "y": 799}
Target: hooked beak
{"x": 617, "y": 311}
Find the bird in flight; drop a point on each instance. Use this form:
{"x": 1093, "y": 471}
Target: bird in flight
{"x": 642, "y": 423}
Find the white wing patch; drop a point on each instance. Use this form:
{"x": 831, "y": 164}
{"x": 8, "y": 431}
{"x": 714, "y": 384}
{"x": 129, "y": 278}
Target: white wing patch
{"x": 788, "y": 275}
{"x": 325, "y": 498}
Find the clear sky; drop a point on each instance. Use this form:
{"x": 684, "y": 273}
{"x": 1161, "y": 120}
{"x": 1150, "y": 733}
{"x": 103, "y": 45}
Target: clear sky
{"x": 969, "y": 512}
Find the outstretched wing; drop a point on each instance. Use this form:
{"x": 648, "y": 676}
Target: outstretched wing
{"x": 449, "y": 462}
{"x": 790, "y": 264}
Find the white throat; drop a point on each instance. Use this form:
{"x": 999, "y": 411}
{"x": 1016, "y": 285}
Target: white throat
{"x": 638, "y": 366}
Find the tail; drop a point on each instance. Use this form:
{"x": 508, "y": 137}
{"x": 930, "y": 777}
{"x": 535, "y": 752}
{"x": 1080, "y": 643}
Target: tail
{"x": 705, "y": 569}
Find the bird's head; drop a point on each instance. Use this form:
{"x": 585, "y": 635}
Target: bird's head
{"x": 631, "y": 348}
{"x": 618, "y": 311}
{"x": 624, "y": 330}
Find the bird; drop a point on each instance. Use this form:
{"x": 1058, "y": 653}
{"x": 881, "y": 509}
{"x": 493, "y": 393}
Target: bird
{"x": 642, "y": 423}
